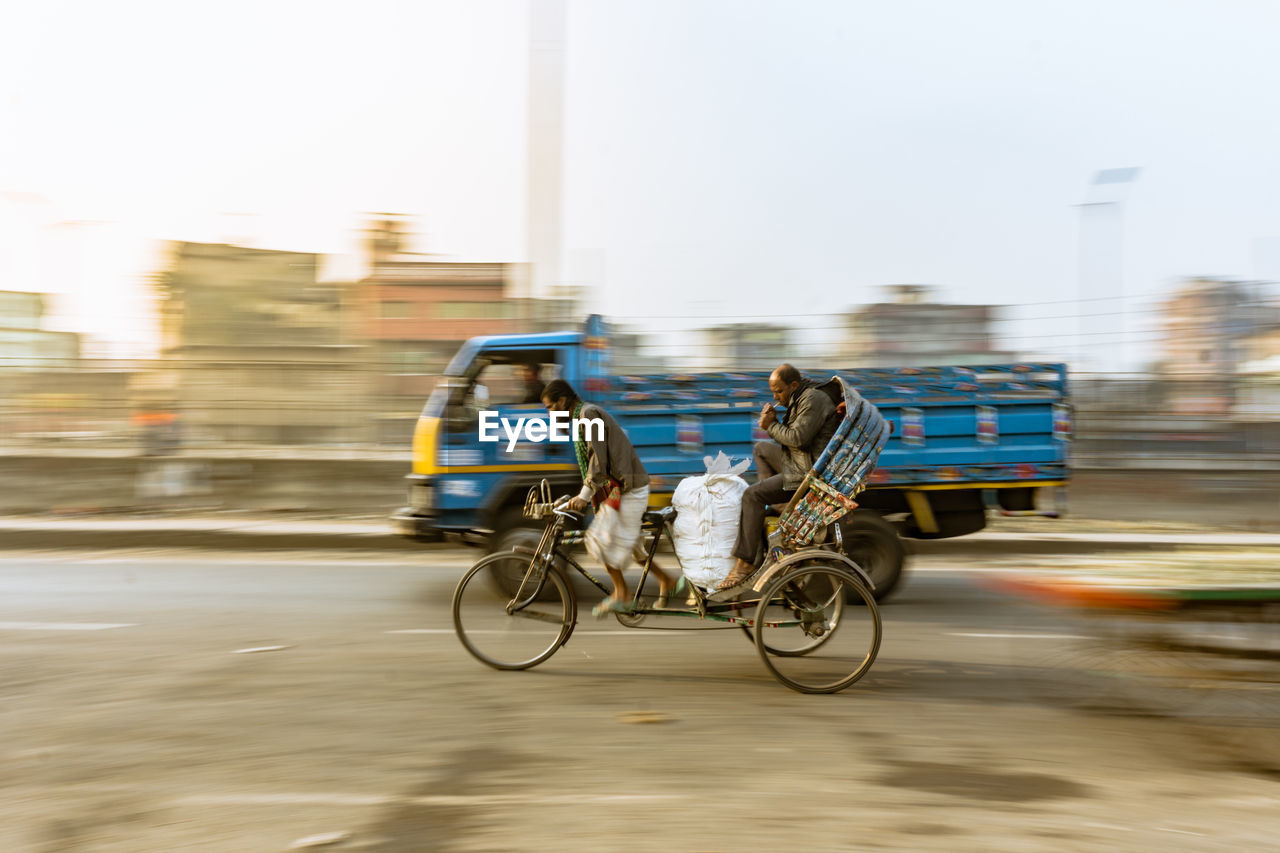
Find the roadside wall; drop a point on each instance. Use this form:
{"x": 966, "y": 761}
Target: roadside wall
{"x": 43, "y": 484}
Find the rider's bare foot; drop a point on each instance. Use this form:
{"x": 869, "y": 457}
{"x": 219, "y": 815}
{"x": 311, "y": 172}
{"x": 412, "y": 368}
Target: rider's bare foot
{"x": 741, "y": 571}
{"x": 615, "y": 603}
{"x": 678, "y": 587}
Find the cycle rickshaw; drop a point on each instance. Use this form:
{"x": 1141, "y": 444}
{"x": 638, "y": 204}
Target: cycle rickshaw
{"x": 809, "y": 609}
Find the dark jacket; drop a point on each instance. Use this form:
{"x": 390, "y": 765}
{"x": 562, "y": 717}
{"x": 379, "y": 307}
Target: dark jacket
{"x": 804, "y": 430}
{"x": 612, "y": 457}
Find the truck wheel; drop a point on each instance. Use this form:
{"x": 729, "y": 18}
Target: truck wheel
{"x": 513, "y": 531}
{"x": 950, "y": 524}
{"x": 874, "y": 545}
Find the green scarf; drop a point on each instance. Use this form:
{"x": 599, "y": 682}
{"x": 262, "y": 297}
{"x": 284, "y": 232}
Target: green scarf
{"x": 611, "y": 492}
{"x": 580, "y": 444}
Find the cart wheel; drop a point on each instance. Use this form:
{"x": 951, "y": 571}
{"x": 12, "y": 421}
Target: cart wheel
{"x": 795, "y": 641}
{"x": 796, "y": 628}
{"x": 513, "y": 633}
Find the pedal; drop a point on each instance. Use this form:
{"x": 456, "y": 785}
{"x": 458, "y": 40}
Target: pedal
{"x": 814, "y": 629}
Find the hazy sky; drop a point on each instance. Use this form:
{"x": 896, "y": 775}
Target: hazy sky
{"x": 721, "y": 158}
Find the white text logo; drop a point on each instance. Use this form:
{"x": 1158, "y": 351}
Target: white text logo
{"x": 560, "y": 428}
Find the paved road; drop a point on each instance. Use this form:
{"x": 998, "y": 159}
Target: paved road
{"x": 133, "y": 725}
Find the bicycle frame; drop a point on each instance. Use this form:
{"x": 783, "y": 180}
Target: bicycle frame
{"x": 554, "y": 536}
{"x": 806, "y": 589}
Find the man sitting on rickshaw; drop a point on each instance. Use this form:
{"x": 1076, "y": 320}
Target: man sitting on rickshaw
{"x": 781, "y": 465}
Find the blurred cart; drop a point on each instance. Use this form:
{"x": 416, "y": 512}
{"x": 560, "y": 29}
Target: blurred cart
{"x": 1205, "y": 651}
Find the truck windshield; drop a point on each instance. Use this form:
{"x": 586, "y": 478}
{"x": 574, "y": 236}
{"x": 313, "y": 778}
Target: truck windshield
{"x": 457, "y": 381}
{"x": 435, "y": 405}
{"x": 510, "y": 376}
{"x": 460, "y": 366}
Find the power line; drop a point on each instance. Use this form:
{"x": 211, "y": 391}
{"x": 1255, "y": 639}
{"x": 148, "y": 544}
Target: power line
{"x": 1126, "y": 337}
{"x": 845, "y": 325}
{"x": 955, "y": 305}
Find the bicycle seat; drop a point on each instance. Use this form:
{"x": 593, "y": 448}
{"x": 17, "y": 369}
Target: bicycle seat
{"x": 658, "y": 516}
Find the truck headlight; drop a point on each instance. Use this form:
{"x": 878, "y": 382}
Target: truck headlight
{"x": 422, "y": 497}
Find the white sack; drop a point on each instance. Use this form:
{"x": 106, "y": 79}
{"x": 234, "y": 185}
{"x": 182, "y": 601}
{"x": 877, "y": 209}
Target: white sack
{"x": 706, "y": 524}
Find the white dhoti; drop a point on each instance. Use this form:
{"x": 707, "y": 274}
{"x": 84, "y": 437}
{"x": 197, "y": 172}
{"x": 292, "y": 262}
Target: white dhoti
{"x": 613, "y": 535}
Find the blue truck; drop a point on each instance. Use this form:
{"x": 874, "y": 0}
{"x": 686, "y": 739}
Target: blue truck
{"x": 966, "y": 441}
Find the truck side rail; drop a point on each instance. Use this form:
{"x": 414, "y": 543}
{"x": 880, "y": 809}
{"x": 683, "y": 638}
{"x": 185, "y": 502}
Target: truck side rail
{"x": 952, "y": 426}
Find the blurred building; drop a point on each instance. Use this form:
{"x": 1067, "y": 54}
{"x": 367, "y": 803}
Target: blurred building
{"x": 415, "y": 314}
{"x": 24, "y": 345}
{"x": 253, "y": 349}
{"x": 559, "y": 311}
{"x": 637, "y": 353}
{"x": 911, "y": 328}
{"x": 414, "y": 311}
{"x": 1258, "y": 378}
{"x": 739, "y": 346}
{"x": 1210, "y": 328}
{"x": 1207, "y": 324}
{"x": 49, "y": 392}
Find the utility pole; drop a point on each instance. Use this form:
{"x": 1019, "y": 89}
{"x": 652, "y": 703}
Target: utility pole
{"x": 1101, "y": 270}
{"x": 545, "y": 152}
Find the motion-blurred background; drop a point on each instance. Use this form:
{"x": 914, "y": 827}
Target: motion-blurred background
{"x": 239, "y": 243}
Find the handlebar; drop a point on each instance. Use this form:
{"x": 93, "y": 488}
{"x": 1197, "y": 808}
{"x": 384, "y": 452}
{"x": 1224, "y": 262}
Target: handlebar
{"x": 559, "y": 508}
{"x": 539, "y": 504}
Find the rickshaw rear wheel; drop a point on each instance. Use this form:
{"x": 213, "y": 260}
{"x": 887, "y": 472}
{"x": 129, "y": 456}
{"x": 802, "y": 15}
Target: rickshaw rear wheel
{"x": 820, "y": 588}
{"x": 808, "y": 643}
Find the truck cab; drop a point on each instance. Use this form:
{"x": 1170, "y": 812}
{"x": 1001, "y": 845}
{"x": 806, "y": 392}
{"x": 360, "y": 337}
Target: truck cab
{"x": 461, "y": 485}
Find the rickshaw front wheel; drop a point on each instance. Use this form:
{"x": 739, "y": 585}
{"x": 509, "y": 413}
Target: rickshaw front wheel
{"x": 513, "y": 633}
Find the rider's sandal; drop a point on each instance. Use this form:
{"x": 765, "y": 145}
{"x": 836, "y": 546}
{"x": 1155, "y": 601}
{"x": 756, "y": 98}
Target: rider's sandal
{"x": 611, "y": 605}
{"x": 731, "y": 586}
{"x": 736, "y": 580}
{"x": 678, "y": 589}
